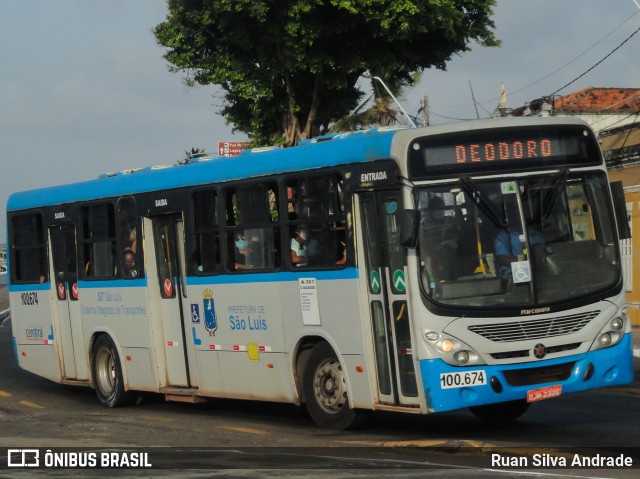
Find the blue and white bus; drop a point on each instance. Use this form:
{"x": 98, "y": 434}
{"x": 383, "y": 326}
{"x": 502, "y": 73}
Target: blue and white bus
{"x": 473, "y": 266}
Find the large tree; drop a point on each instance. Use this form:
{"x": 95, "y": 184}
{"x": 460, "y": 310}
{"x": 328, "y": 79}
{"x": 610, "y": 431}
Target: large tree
{"x": 289, "y": 68}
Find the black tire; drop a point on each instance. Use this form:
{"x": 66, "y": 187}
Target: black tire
{"x": 107, "y": 374}
{"x": 501, "y": 412}
{"x": 325, "y": 391}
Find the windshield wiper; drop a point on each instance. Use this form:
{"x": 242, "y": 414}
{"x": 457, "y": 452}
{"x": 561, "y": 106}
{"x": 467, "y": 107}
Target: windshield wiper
{"x": 551, "y": 200}
{"x": 485, "y": 205}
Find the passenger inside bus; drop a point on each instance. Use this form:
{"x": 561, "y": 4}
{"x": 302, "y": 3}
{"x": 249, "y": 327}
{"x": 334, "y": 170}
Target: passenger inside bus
{"x": 299, "y": 246}
{"x": 241, "y": 253}
{"x": 129, "y": 270}
{"x": 508, "y": 245}
{"x": 445, "y": 236}
{"x": 133, "y": 241}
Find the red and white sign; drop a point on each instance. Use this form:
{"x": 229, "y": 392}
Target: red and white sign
{"x": 168, "y": 287}
{"x": 61, "y": 290}
{"x": 74, "y": 290}
{"x": 232, "y": 148}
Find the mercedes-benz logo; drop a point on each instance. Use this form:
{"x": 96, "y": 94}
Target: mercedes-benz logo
{"x": 539, "y": 351}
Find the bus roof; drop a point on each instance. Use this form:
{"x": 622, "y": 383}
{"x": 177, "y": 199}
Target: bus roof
{"x": 330, "y": 150}
{"x": 356, "y": 147}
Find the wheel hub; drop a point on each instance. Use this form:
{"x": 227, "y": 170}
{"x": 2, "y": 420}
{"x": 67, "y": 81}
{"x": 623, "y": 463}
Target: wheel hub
{"x": 329, "y": 387}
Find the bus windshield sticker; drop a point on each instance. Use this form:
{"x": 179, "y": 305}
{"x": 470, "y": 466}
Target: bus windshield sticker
{"x": 508, "y": 188}
{"x": 521, "y": 271}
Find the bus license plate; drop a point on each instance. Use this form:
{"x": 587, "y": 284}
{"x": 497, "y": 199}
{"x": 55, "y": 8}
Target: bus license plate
{"x": 549, "y": 392}
{"x": 461, "y": 380}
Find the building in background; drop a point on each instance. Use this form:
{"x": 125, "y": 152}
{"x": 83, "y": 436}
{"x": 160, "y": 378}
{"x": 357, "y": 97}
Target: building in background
{"x": 614, "y": 114}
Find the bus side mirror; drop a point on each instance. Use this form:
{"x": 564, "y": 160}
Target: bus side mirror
{"x": 620, "y": 209}
{"x": 409, "y": 226}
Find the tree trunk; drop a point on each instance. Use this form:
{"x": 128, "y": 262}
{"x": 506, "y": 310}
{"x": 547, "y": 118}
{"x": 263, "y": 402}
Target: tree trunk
{"x": 311, "y": 129}
{"x": 290, "y": 123}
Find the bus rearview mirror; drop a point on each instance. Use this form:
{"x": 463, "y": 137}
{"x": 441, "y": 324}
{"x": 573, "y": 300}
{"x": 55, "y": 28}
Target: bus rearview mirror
{"x": 409, "y": 225}
{"x": 620, "y": 209}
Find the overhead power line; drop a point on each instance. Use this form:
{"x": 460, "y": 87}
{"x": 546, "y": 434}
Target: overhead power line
{"x": 449, "y": 117}
{"x": 575, "y": 58}
{"x": 603, "y": 59}
{"x": 513, "y": 92}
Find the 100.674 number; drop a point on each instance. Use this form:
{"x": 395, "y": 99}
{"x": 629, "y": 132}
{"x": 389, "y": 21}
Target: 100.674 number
{"x": 459, "y": 380}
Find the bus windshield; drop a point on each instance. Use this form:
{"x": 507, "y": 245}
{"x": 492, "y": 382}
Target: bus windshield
{"x": 517, "y": 242}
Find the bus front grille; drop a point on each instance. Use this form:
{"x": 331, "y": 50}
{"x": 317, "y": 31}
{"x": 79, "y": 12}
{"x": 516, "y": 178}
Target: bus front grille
{"x": 525, "y": 353}
{"x": 534, "y": 329}
{"x": 545, "y": 374}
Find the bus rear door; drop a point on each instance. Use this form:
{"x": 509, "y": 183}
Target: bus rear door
{"x": 385, "y": 269}
{"x": 165, "y": 266}
{"x": 62, "y": 243}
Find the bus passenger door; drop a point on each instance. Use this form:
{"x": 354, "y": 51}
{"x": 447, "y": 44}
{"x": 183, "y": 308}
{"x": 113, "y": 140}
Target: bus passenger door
{"x": 385, "y": 269}
{"x": 167, "y": 277}
{"x": 64, "y": 274}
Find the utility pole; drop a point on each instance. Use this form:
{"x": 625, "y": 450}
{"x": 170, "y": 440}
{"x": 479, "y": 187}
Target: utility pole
{"x": 425, "y": 110}
{"x": 474, "y": 101}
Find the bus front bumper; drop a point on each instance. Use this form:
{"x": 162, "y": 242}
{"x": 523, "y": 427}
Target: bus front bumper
{"x": 606, "y": 367}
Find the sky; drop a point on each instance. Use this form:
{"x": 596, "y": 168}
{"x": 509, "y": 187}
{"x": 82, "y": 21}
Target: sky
{"x": 84, "y": 89}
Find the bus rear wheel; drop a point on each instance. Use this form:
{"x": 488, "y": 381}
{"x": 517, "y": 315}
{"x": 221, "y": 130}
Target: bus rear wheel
{"x": 325, "y": 391}
{"x": 107, "y": 374}
{"x": 501, "y": 412}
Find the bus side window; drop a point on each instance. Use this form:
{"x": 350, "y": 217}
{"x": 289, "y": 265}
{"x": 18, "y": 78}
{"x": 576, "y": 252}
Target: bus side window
{"x": 28, "y": 251}
{"x": 98, "y": 241}
{"x": 205, "y": 244}
{"x": 129, "y": 249}
{"x": 252, "y": 227}
{"x": 316, "y": 221}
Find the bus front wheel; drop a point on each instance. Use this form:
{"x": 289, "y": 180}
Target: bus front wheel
{"x": 107, "y": 373}
{"x": 502, "y": 411}
{"x": 325, "y": 390}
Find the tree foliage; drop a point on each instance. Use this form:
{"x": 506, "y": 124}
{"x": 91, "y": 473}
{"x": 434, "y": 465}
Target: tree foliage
{"x": 289, "y": 68}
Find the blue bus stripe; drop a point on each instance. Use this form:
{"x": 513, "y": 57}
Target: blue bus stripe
{"x": 19, "y": 288}
{"x": 272, "y": 277}
{"x": 280, "y": 276}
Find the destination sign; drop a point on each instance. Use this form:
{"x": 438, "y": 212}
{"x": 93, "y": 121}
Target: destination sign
{"x": 514, "y": 150}
{"x": 502, "y": 149}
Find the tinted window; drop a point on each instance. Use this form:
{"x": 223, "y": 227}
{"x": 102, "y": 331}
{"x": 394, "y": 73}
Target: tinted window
{"x": 29, "y": 261}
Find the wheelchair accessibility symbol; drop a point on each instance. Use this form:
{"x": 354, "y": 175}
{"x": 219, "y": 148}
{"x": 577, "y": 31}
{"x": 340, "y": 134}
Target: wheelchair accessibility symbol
{"x": 521, "y": 271}
{"x": 195, "y": 313}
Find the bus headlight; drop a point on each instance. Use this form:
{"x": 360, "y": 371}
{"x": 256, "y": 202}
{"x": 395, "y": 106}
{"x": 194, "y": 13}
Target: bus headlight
{"x": 605, "y": 339}
{"x": 451, "y": 350}
{"x": 612, "y": 333}
{"x": 617, "y": 324}
{"x": 462, "y": 357}
{"x": 446, "y": 345}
